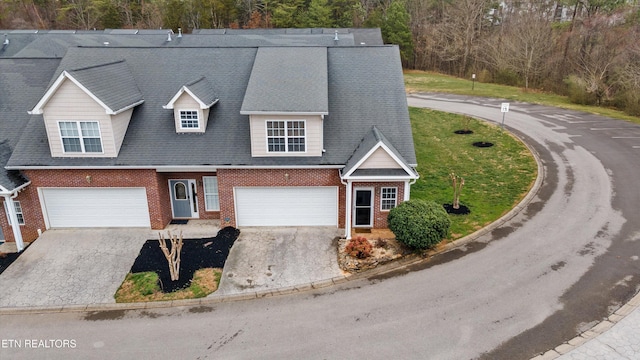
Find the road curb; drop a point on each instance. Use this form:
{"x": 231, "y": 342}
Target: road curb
{"x": 597, "y": 330}
{"x": 387, "y": 268}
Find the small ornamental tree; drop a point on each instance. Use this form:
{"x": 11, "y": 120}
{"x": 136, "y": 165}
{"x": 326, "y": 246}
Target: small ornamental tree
{"x": 419, "y": 224}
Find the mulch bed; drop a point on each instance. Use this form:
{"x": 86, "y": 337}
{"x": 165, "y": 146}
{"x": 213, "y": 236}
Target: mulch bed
{"x": 462, "y": 210}
{"x": 196, "y": 254}
{"x": 463, "y": 132}
{"x": 6, "y": 259}
{"x": 482, "y": 144}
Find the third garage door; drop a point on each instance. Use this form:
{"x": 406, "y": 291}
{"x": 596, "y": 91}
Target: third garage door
{"x": 286, "y": 206}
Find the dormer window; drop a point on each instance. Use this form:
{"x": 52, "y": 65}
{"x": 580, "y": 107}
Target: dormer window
{"x": 191, "y": 106}
{"x": 286, "y": 136}
{"x": 189, "y": 119}
{"x": 80, "y": 136}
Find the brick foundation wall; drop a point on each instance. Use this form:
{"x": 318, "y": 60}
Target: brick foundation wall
{"x": 230, "y": 178}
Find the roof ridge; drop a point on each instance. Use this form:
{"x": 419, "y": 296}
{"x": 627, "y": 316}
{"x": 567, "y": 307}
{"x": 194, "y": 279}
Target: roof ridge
{"x": 99, "y": 65}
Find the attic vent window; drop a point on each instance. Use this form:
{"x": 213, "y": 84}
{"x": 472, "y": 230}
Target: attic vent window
{"x": 189, "y": 119}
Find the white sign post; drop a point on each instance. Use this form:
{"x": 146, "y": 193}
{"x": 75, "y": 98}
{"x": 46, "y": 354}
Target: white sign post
{"x": 504, "y": 109}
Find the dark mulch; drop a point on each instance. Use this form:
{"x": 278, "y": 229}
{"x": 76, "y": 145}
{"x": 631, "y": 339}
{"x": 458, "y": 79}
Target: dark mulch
{"x": 462, "y": 210}
{"x": 463, "y": 132}
{"x": 196, "y": 254}
{"x": 482, "y": 144}
{"x": 6, "y": 259}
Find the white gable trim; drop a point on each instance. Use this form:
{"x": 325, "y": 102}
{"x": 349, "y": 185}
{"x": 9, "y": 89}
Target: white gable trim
{"x": 197, "y": 99}
{"x": 373, "y": 149}
{"x": 38, "y": 109}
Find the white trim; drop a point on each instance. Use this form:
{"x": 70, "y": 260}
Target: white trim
{"x": 395, "y": 197}
{"x": 371, "y": 206}
{"x": 286, "y": 136}
{"x": 380, "y": 144}
{"x": 80, "y": 137}
{"x": 199, "y": 115}
{"x": 182, "y": 90}
{"x": 173, "y": 168}
{"x": 38, "y": 109}
{"x": 348, "y": 202}
{"x": 407, "y": 191}
{"x": 284, "y": 113}
{"x": 380, "y": 178}
{"x": 204, "y": 192}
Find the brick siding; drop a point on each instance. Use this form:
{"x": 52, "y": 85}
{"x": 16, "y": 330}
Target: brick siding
{"x": 380, "y": 216}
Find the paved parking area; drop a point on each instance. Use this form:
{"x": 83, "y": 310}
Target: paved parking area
{"x": 271, "y": 258}
{"x": 71, "y": 267}
{"x": 86, "y": 266}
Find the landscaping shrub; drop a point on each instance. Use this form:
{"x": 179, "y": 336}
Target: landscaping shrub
{"x": 577, "y": 91}
{"x": 359, "y": 247}
{"x": 419, "y": 224}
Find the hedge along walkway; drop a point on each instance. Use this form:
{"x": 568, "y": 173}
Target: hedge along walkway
{"x": 496, "y": 178}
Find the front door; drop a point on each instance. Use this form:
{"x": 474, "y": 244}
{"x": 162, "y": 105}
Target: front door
{"x": 363, "y": 209}
{"x": 184, "y": 199}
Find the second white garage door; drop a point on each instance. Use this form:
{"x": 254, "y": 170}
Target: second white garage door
{"x": 286, "y": 206}
{"x": 95, "y": 207}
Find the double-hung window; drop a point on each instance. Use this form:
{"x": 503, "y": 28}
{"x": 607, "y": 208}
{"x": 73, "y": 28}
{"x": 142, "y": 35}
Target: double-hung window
{"x": 80, "y": 136}
{"x": 388, "y": 198}
{"x": 189, "y": 119}
{"x": 286, "y": 136}
{"x": 211, "y": 197}
{"x": 18, "y": 209}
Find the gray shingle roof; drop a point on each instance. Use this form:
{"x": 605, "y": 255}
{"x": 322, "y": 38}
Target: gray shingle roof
{"x": 203, "y": 89}
{"x": 112, "y": 83}
{"x": 22, "y": 83}
{"x": 291, "y": 79}
{"x": 364, "y": 88}
{"x": 370, "y": 140}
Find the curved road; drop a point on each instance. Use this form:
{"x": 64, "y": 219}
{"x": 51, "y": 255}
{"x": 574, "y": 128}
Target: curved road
{"x": 560, "y": 266}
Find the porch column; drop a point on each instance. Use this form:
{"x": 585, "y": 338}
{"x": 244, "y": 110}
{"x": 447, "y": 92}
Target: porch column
{"x": 15, "y": 227}
{"x": 407, "y": 191}
{"x": 347, "y": 212}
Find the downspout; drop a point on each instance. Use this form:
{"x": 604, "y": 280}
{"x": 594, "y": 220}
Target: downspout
{"x": 347, "y": 209}
{"x": 407, "y": 187}
{"x": 11, "y": 211}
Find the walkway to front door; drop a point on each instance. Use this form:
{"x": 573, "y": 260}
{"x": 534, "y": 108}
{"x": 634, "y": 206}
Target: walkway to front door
{"x": 184, "y": 199}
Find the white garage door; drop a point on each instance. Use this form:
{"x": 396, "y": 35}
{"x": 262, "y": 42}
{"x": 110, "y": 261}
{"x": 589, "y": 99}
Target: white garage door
{"x": 287, "y": 206}
{"x": 96, "y": 207}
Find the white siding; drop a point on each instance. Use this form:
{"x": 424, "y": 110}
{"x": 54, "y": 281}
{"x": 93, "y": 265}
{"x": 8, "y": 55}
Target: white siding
{"x": 314, "y": 134}
{"x": 186, "y": 102}
{"x": 380, "y": 159}
{"x": 70, "y": 103}
{"x": 120, "y": 123}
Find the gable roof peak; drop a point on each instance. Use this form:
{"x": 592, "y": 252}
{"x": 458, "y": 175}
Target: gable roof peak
{"x": 200, "y": 90}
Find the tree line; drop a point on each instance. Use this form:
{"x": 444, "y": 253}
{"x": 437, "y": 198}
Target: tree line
{"x": 586, "y": 49}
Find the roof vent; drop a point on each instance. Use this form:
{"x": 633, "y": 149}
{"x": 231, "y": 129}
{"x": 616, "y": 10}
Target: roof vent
{"x": 169, "y": 35}
{"x": 6, "y": 41}
{"x": 179, "y": 32}
{"x": 335, "y": 36}
{"x": 106, "y": 43}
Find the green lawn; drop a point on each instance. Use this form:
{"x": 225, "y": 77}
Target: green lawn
{"x": 417, "y": 81}
{"x": 496, "y": 178}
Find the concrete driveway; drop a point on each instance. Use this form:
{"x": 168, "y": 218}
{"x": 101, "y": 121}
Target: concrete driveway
{"x": 72, "y": 267}
{"x": 270, "y": 258}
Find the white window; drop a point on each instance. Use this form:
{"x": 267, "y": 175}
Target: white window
{"x": 211, "y": 197}
{"x": 286, "y": 136}
{"x": 388, "y": 198}
{"x": 80, "y": 136}
{"x": 189, "y": 119}
{"x": 18, "y": 208}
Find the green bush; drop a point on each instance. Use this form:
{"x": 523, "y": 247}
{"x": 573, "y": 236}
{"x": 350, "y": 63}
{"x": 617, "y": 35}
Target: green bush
{"x": 419, "y": 224}
{"x": 577, "y": 91}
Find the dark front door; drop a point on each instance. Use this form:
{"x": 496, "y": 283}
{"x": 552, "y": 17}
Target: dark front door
{"x": 363, "y": 209}
{"x": 183, "y": 198}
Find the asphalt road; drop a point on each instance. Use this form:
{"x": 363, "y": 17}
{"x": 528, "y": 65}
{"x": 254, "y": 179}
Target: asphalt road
{"x": 562, "y": 265}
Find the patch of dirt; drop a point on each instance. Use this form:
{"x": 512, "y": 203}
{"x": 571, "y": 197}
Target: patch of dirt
{"x": 196, "y": 254}
{"x": 463, "y": 132}
{"x": 384, "y": 250}
{"x": 461, "y": 210}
